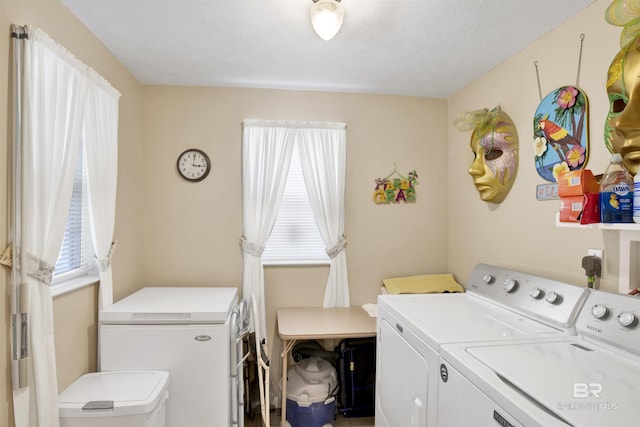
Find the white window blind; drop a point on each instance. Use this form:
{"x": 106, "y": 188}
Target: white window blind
{"x": 295, "y": 238}
{"x": 76, "y": 252}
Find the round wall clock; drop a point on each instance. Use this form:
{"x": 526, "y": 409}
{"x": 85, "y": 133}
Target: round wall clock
{"x": 193, "y": 165}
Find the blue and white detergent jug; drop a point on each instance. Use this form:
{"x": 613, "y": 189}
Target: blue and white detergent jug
{"x": 616, "y": 193}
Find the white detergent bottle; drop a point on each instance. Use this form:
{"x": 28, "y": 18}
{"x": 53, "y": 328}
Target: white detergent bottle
{"x": 616, "y": 193}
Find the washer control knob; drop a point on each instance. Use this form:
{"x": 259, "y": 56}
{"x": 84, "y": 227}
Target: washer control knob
{"x": 627, "y": 319}
{"x": 600, "y": 311}
{"x": 553, "y": 297}
{"x": 510, "y": 285}
{"x": 536, "y": 293}
{"x": 488, "y": 279}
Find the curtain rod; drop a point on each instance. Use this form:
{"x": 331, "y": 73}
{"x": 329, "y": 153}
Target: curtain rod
{"x": 19, "y": 31}
{"x": 294, "y": 124}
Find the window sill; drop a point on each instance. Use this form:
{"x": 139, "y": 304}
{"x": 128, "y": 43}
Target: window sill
{"x": 315, "y": 263}
{"x": 74, "y": 284}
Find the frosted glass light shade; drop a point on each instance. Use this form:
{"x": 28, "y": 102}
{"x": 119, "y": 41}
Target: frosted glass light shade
{"x": 326, "y": 18}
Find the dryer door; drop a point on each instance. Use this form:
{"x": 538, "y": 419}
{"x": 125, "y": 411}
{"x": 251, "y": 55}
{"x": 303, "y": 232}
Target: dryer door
{"x": 402, "y": 376}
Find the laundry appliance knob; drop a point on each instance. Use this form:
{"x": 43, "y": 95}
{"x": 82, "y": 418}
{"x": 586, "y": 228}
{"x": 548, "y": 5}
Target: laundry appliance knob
{"x": 536, "y": 293}
{"x": 553, "y": 297}
{"x": 488, "y": 279}
{"x": 600, "y": 311}
{"x": 627, "y": 319}
{"x": 510, "y": 285}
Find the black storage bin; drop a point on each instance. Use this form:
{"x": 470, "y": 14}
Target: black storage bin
{"x": 357, "y": 372}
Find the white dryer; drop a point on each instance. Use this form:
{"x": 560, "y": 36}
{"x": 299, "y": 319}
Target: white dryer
{"x": 188, "y": 332}
{"x": 498, "y": 305}
{"x": 590, "y": 380}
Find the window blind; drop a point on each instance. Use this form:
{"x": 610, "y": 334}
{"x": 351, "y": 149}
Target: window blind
{"x": 74, "y": 254}
{"x": 295, "y": 238}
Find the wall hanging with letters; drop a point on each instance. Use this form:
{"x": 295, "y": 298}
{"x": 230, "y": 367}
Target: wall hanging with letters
{"x": 395, "y": 188}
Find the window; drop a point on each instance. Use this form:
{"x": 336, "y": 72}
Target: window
{"x": 76, "y": 254}
{"x": 295, "y": 238}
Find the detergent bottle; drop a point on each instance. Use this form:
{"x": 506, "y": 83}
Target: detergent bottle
{"x": 636, "y": 198}
{"x": 616, "y": 193}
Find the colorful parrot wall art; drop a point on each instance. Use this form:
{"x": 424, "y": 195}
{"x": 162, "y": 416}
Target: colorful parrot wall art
{"x": 560, "y": 132}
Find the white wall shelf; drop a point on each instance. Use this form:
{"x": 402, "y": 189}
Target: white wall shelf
{"x": 629, "y": 235}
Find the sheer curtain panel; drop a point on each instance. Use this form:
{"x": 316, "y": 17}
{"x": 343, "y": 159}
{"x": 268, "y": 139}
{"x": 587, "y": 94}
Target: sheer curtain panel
{"x": 322, "y": 148}
{"x": 101, "y": 157}
{"x": 266, "y": 155}
{"x": 54, "y": 95}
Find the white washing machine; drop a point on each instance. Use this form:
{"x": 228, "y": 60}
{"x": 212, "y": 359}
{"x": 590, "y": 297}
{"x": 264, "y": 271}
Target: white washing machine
{"x": 590, "y": 380}
{"x": 188, "y": 332}
{"x": 498, "y": 305}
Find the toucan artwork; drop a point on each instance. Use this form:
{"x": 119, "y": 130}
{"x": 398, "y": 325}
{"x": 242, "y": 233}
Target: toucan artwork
{"x": 560, "y": 132}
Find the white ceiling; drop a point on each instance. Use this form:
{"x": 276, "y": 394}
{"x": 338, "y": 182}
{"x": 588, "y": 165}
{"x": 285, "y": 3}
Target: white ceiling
{"x": 403, "y": 47}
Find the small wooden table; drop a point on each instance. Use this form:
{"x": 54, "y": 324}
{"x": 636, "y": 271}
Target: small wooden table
{"x": 318, "y": 323}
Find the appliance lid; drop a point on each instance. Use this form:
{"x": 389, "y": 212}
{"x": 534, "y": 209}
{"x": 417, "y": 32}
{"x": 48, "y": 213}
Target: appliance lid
{"x": 109, "y": 394}
{"x": 582, "y": 383}
{"x": 173, "y": 305}
{"x": 449, "y": 318}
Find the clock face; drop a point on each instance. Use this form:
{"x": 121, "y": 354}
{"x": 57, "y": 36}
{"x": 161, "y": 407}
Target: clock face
{"x": 193, "y": 165}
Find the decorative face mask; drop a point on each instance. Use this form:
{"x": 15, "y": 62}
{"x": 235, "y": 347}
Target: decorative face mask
{"x": 495, "y": 144}
{"x": 622, "y": 128}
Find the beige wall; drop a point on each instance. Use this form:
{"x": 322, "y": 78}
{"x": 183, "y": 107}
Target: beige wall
{"x": 191, "y": 231}
{"x": 75, "y": 313}
{"x": 521, "y": 232}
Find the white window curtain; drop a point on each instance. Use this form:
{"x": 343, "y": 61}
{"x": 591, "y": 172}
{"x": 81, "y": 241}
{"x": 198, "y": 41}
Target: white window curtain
{"x": 322, "y": 149}
{"x": 101, "y": 160}
{"x": 266, "y": 155}
{"x": 267, "y": 148}
{"x": 53, "y": 90}
{"x": 54, "y": 95}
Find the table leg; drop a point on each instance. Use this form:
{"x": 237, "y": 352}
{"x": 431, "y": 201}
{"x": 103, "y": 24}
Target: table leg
{"x": 287, "y": 345}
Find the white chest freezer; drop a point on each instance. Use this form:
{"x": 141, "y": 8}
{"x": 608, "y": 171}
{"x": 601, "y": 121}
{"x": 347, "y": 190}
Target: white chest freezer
{"x": 182, "y": 330}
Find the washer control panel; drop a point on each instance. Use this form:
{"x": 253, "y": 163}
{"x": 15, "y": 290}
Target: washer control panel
{"x": 553, "y": 302}
{"x": 611, "y": 318}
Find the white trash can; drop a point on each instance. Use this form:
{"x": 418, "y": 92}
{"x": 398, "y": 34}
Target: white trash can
{"x": 115, "y": 399}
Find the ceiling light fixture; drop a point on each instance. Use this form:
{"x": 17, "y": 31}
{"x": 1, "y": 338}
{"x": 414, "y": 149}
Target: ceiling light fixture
{"x": 326, "y": 17}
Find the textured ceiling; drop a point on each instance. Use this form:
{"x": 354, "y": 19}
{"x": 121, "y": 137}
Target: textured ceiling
{"x": 404, "y": 47}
